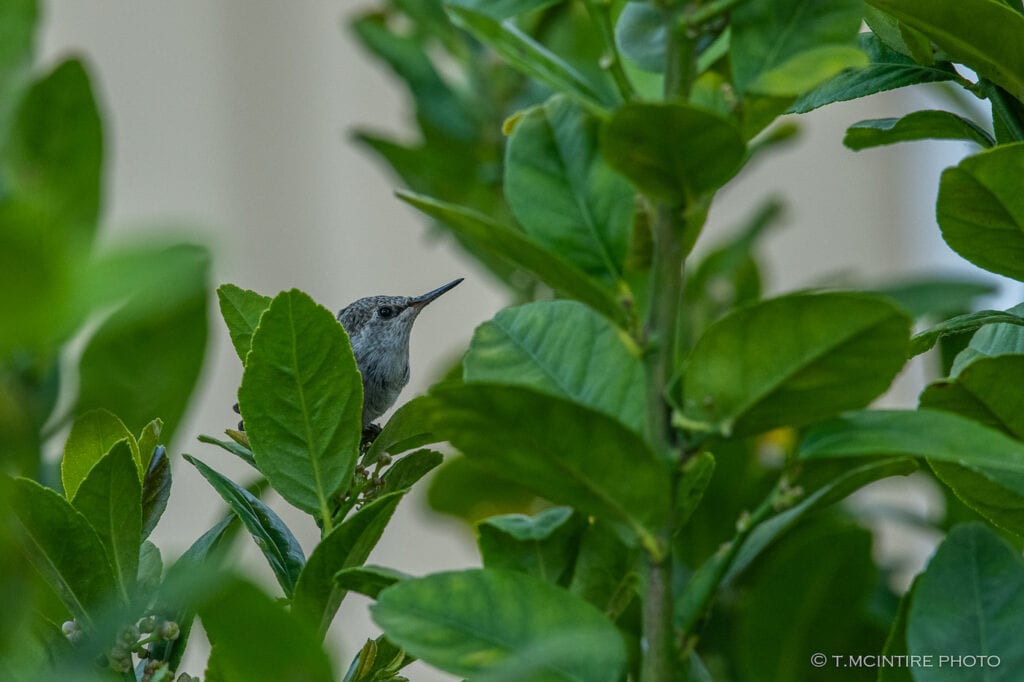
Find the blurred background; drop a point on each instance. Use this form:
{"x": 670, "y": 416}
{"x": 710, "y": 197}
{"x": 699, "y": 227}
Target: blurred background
{"x": 232, "y": 121}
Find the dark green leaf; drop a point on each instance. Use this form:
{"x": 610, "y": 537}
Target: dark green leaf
{"x": 792, "y": 361}
{"x": 969, "y": 602}
{"x": 92, "y": 436}
{"x": 981, "y": 209}
{"x": 888, "y": 70}
{"x": 673, "y": 152}
{"x": 640, "y": 34}
{"x": 502, "y": 9}
{"x": 996, "y": 495}
{"x": 517, "y": 248}
{"x": 148, "y": 439}
{"x": 17, "y": 26}
{"x": 408, "y": 428}
{"x": 987, "y": 391}
{"x": 936, "y": 296}
{"x": 562, "y": 348}
{"x": 301, "y": 399}
{"x": 63, "y": 547}
{"x": 156, "y": 490}
{"x": 110, "y": 499}
{"x": 368, "y": 580}
{"x": 982, "y": 34}
{"x": 269, "y": 532}
{"x": 471, "y": 622}
{"x": 317, "y": 596}
{"x": 231, "y": 446}
{"x": 568, "y": 454}
{"x": 896, "y": 642}
{"x": 563, "y": 193}
{"x": 464, "y": 490}
{"x": 993, "y": 339}
{"x": 543, "y": 545}
{"x": 606, "y": 571}
{"x": 409, "y": 469}
{"x": 960, "y": 324}
{"x": 920, "y": 125}
{"x": 787, "y": 47}
{"x": 241, "y": 310}
{"x": 254, "y": 638}
{"x": 691, "y": 487}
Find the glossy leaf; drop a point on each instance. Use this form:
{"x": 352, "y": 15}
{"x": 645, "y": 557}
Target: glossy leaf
{"x": 471, "y": 622}
{"x": 960, "y": 324}
{"x": 981, "y": 209}
{"x": 673, "y": 152}
{"x": 301, "y": 399}
{"x": 640, "y": 34}
{"x": 317, "y": 596}
{"x": 110, "y": 499}
{"x": 563, "y": 192}
{"x": 792, "y": 361}
{"x": 368, "y": 580}
{"x": 408, "y": 428}
{"x": 887, "y": 70}
{"x": 985, "y": 35}
{"x": 562, "y": 348}
{"x": 92, "y": 436}
{"x": 969, "y": 602}
{"x": 993, "y": 339}
{"x": 269, "y": 532}
{"x": 787, "y": 47}
{"x": 584, "y": 459}
{"x": 241, "y": 310}
{"x": 551, "y": 268}
{"x": 543, "y": 545}
{"x": 920, "y": 125}
{"x": 409, "y": 469}
{"x": 156, "y": 490}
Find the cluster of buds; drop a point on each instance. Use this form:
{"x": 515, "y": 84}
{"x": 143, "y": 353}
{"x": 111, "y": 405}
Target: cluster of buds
{"x": 130, "y": 641}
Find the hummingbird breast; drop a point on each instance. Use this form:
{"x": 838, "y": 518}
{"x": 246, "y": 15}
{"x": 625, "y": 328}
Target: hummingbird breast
{"x": 385, "y": 373}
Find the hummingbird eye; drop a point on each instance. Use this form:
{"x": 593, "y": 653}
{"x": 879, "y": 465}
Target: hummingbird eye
{"x": 385, "y": 311}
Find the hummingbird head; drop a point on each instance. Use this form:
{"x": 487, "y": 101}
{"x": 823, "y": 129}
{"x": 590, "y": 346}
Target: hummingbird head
{"x": 386, "y": 316}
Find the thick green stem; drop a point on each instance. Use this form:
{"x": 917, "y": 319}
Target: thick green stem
{"x": 600, "y": 12}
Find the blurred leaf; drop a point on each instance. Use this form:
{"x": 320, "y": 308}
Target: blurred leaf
{"x": 92, "y": 436}
{"x": 563, "y": 193}
{"x": 982, "y": 34}
{"x": 993, "y": 339}
{"x": 898, "y": 37}
{"x": 981, "y": 209}
{"x": 562, "y": 348}
{"x": 64, "y": 548}
{"x": 696, "y": 475}
{"x": 503, "y": 9}
{"x": 793, "y": 360}
{"x": 409, "y": 469}
{"x": 17, "y": 26}
{"x": 640, "y": 34}
{"x": 920, "y": 125}
{"x": 241, "y": 310}
{"x": 110, "y": 499}
{"x": 960, "y": 324}
{"x": 888, "y": 70}
{"x": 149, "y": 439}
{"x": 254, "y": 638}
{"x": 896, "y": 642}
{"x": 300, "y": 373}
{"x": 462, "y": 489}
{"x": 471, "y": 622}
{"x": 269, "y": 532}
{"x": 378, "y": 661}
{"x": 317, "y": 596}
{"x": 50, "y": 166}
{"x": 643, "y": 142}
{"x": 605, "y": 573}
{"x": 543, "y": 545}
{"x": 576, "y": 461}
{"x": 367, "y": 580}
{"x": 787, "y": 47}
{"x": 938, "y": 296}
{"x": 408, "y": 428}
{"x": 156, "y": 490}
{"x": 969, "y": 602}
{"x": 514, "y": 246}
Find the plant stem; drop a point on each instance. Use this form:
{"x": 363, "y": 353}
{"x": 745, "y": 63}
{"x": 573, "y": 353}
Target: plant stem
{"x": 706, "y": 13}
{"x": 600, "y": 12}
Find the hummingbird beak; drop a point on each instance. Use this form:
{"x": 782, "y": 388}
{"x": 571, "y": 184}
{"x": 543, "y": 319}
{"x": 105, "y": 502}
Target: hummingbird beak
{"x": 420, "y": 302}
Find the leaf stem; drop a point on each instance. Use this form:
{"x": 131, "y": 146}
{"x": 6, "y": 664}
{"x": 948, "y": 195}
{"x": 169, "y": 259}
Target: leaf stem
{"x": 600, "y": 12}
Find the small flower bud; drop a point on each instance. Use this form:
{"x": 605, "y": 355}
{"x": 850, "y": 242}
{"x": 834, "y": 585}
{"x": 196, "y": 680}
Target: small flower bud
{"x": 129, "y": 635}
{"x": 169, "y": 630}
{"x": 147, "y": 624}
{"x": 385, "y": 459}
{"x": 68, "y": 626}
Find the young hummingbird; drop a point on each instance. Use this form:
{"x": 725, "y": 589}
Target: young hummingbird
{"x": 379, "y": 328}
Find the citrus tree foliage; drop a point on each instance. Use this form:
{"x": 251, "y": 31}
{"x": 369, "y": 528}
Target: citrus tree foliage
{"x": 650, "y": 452}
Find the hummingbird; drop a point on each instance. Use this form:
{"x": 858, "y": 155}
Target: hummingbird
{"x": 379, "y": 329}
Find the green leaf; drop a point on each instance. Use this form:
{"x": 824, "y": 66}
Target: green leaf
{"x": 515, "y": 247}
{"x": 531, "y": 58}
{"x": 469, "y": 623}
{"x": 502, "y": 9}
{"x": 937, "y": 296}
{"x": 960, "y": 324}
{"x": 993, "y": 339}
{"x": 985, "y": 35}
{"x": 464, "y": 490}
{"x": 933, "y": 434}
{"x": 986, "y": 390}
{"x": 693, "y": 483}
{"x": 409, "y": 469}
{"x": 887, "y": 70}
{"x": 368, "y": 580}
{"x": 63, "y": 548}
{"x": 569, "y": 454}
{"x": 981, "y": 209}
{"x": 996, "y": 495}
{"x": 787, "y": 47}
{"x": 673, "y": 152}
{"x": 969, "y": 602}
{"x": 156, "y": 490}
{"x": 254, "y": 638}
{"x": 301, "y": 400}
{"x": 920, "y": 125}
{"x": 896, "y": 642}
{"x": 110, "y": 499}
{"x": 543, "y": 545}
{"x": 317, "y": 596}
{"x": 562, "y": 348}
{"x": 17, "y": 26}
{"x": 640, "y": 34}
{"x": 605, "y": 573}
{"x": 563, "y": 193}
{"x": 408, "y": 428}
{"x": 149, "y": 439}
{"x": 269, "y": 532}
{"x": 92, "y": 436}
{"x": 792, "y": 361}
{"x": 240, "y": 451}
{"x": 51, "y": 164}
{"x": 241, "y": 310}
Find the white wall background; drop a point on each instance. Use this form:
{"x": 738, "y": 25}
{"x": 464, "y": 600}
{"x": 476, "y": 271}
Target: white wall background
{"x": 231, "y": 117}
